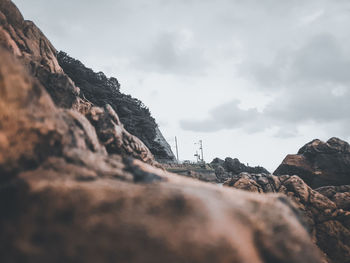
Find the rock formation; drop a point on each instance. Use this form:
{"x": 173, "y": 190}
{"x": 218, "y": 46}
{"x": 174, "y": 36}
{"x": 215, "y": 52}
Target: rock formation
{"x": 340, "y": 195}
{"x": 64, "y": 199}
{"x": 134, "y": 115}
{"x": 71, "y": 189}
{"x": 163, "y": 152}
{"x": 325, "y": 167}
{"x": 29, "y": 44}
{"x": 320, "y": 163}
{"x": 326, "y": 210}
{"x": 230, "y": 167}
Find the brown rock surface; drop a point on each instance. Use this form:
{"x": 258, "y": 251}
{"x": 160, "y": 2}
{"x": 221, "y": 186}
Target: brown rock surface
{"x": 32, "y": 128}
{"x": 320, "y": 163}
{"x": 63, "y": 199}
{"x": 326, "y": 210}
{"x": 338, "y": 194}
{"x": 24, "y": 40}
{"x": 114, "y": 137}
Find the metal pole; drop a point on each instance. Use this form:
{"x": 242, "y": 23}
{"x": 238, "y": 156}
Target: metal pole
{"x": 177, "y": 150}
{"x": 201, "y": 148}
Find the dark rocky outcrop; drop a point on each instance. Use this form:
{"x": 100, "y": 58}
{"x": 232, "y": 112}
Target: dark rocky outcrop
{"x": 326, "y": 210}
{"x": 135, "y": 116}
{"x": 63, "y": 198}
{"x": 320, "y": 163}
{"x": 225, "y": 169}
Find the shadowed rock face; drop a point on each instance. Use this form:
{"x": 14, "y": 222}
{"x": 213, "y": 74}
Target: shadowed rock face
{"x": 320, "y": 163}
{"x": 326, "y": 210}
{"x": 135, "y": 116}
{"x": 63, "y": 198}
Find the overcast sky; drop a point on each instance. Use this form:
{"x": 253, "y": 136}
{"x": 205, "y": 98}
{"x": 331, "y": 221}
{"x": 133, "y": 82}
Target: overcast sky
{"x": 253, "y": 79}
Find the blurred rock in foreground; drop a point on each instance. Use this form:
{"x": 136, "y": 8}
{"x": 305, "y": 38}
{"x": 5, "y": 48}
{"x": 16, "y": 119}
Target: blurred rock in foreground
{"x": 63, "y": 198}
{"x": 76, "y": 186}
{"x": 326, "y": 210}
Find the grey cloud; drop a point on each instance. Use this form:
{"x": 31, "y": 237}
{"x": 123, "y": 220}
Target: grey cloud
{"x": 226, "y": 116}
{"x": 285, "y": 49}
{"x": 319, "y": 105}
{"x": 320, "y": 60}
{"x": 294, "y": 108}
{"x": 313, "y": 84}
{"x": 169, "y": 53}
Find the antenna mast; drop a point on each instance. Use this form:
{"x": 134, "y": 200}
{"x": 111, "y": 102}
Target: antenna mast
{"x": 201, "y": 148}
{"x": 177, "y": 150}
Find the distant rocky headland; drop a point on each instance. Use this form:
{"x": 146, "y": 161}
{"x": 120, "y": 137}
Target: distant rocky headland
{"x": 84, "y": 177}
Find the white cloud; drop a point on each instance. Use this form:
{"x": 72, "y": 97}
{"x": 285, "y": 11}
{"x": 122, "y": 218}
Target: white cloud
{"x": 310, "y": 18}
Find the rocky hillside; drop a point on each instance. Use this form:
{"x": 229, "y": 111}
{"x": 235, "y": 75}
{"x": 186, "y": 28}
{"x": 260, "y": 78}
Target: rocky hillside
{"x": 76, "y": 186}
{"x": 134, "y": 115}
{"x": 26, "y": 41}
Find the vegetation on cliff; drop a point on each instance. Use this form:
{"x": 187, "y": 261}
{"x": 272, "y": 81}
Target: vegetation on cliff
{"x": 100, "y": 90}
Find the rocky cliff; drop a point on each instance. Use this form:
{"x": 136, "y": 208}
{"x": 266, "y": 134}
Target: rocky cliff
{"x": 76, "y": 186}
{"x": 134, "y": 115}
{"x": 55, "y": 71}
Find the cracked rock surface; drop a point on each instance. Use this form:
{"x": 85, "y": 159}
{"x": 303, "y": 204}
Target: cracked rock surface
{"x": 325, "y": 210}
{"x": 319, "y": 163}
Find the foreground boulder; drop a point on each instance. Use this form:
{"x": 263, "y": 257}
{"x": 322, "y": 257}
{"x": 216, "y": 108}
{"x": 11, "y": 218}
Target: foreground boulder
{"x": 26, "y": 41}
{"x": 326, "y": 210}
{"x": 63, "y": 198}
{"x": 320, "y": 163}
